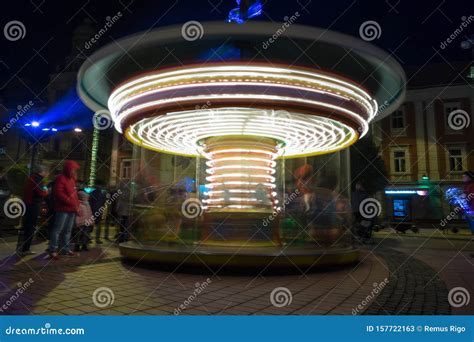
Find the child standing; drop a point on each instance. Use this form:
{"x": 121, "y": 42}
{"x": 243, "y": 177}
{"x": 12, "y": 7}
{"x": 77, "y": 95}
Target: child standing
{"x": 84, "y": 222}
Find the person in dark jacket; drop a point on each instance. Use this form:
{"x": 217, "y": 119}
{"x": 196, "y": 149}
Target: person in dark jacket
{"x": 362, "y": 225}
{"x": 97, "y": 203}
{"x": 34, "y": 194}
{"x": 66, "y": 205}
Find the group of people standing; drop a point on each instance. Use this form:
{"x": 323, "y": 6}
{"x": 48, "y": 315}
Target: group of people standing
{"x": 73, "y": 214}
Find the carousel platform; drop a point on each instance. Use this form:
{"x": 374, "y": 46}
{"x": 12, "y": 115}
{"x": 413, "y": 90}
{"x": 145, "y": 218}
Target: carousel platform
{"x": 301, "y": 257}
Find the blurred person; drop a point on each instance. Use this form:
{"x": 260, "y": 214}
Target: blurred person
{"x": 111, "y": 216}
{"x": 362, "y": 225}
{"x": 123, "y": 212}
{"x": 34, "y": 194}
{"x": 50, "y": 203}
{"x": 97, "y": 200}
{"x": 303, "y": 176}
{"x": 84, "y": 223}
{"x": 66, "y": 205}
{"x": 358, "y": 195}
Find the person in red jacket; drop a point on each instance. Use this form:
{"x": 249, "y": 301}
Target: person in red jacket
{"x": 34, "y": 194}
{"x": 468, "y": 179}
{"x": 303, "y": 176}
{"x": 66, "y": 205}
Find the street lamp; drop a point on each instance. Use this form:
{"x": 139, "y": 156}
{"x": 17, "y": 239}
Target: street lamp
{"x": 36, "y": 133}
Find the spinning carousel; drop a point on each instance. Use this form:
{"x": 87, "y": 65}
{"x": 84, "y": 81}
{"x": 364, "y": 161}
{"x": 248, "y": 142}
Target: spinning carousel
{"x": 240, "y": 149}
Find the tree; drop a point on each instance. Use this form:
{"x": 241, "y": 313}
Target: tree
{"x": 367, "y": 166}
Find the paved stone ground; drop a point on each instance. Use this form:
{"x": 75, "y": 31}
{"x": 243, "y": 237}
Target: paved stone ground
{"x": 413, "y": 289}
{"x": 416, "y": 285}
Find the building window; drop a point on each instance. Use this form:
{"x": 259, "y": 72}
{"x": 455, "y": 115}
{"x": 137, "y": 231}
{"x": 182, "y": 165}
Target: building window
{"x": 126, "y": 169}
{"x": 400, "y": 161}
{"x": 398, "y": 119}
{"x": 455, "y": 160}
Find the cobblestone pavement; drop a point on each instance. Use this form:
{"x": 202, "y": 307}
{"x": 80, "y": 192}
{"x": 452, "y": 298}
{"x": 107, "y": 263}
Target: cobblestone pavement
{"x": 413, "y": 289}
{"x": 99, "y": 283}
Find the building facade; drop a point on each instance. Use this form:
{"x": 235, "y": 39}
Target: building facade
{"x": 427, "y": 144}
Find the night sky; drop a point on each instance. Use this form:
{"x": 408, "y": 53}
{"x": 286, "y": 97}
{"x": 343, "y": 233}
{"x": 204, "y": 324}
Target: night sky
{"x": 411, "y": 30}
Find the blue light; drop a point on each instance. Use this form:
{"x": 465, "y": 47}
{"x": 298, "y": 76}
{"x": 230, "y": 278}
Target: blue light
{"x": 89, "y": 189}
{"x": 400, "y": 192}
{"x": 35, "y": 124}
{"x": 45, "y": 129}
{"x": 239, "y": 17}
{"x": 28, "y": 125}
{"x": 54, "y": 129}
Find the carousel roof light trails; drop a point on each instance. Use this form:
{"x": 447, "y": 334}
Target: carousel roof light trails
{"x": 150, "y": 92}
{"x": 322, "y": 113}
{"x": 238, "y": 74}
{"x": 139, "y": 108}
{"x": 181, "y": 132}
